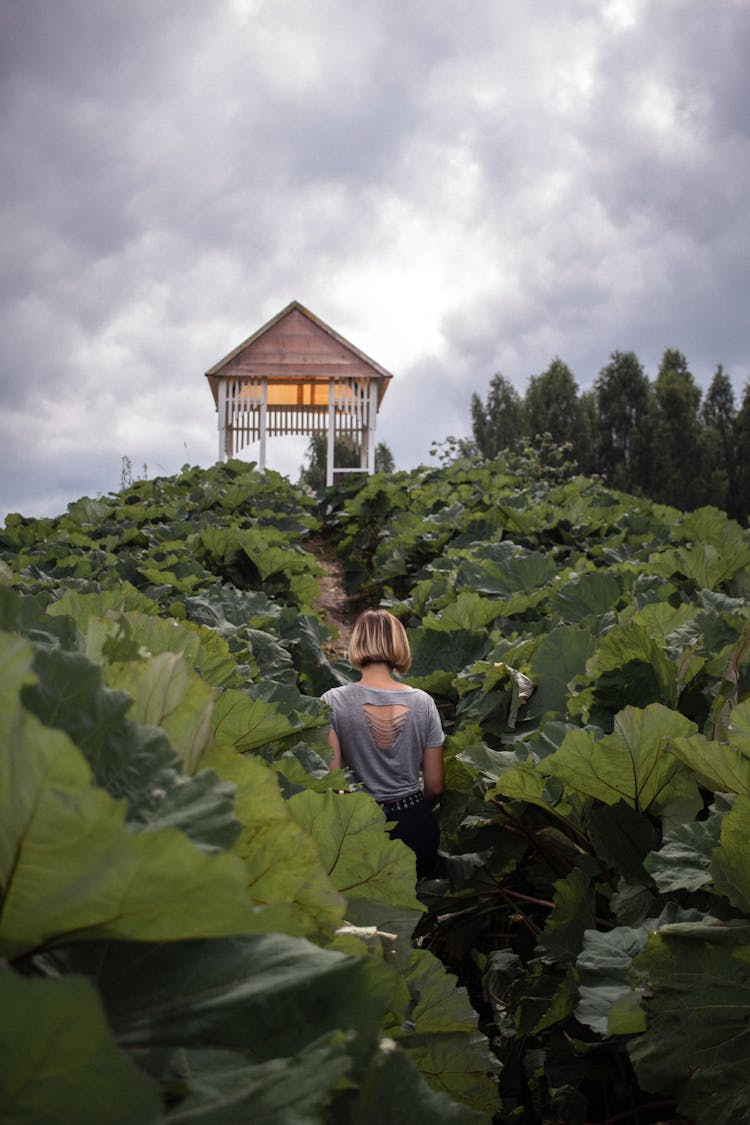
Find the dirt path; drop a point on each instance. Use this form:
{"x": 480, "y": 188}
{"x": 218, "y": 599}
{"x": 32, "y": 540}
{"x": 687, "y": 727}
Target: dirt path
{"x": 337, "y": 607}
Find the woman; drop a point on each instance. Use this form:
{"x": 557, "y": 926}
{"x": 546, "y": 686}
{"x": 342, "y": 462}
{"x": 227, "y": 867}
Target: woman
{"x": 390, "y": 734}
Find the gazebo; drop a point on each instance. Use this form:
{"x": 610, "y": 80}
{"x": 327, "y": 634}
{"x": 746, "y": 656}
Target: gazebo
{"x": 296, "y": 375}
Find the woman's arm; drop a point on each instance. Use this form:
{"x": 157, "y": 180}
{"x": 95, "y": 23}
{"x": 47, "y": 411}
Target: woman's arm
{"x": 333, "y": 742}
{"x": 432, "y": 772}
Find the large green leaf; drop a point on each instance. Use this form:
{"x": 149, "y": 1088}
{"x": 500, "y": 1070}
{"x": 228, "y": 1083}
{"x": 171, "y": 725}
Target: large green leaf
{"x": 438, "y": 1005}
{"x": 722, "y": 767}
{"x": 438, "y": 655}
{"x": 711, "y": 525}
{"x": 168, "y": 694}
{"x": 273, "y": 660}
{"x": 609, "y": 1003}
{"x": 683, "y": 862}
{"x": 272, "y": 560}
{"x": 439, "y": 1033}
{"x": 259, "y": 557}
{"x": 286, "y": 882}
{"x": 603, "y": 968}
{"x": 242, "y": 723}
{"x": 226, "y": 609}
{"x": 560, "y": 940}
{"x": 717, "y": 766}
{"x": 560, "y": 656}
{"x": 632, "y": 764}
{"x": 126, "y": 759}
{"x": 307, "y": 640}
{"x": 665, "y": 622}
{"x": 494, "y": 708}
{"x": 525, "y": 782}
{"x": 203, "y": 649}
{"x": 82, "y": 607}
{"x": 703, "y": 970}
{"x": 623, "y": 838}
{"x": 708, "y": 566}
{"x": 739, "y": 726}
{"x": 587, "y": 595}
{"x": 469, "y": 611}
{"x": 430, "y": 1016}
{"x": 354, "y": 848}
{"x": 25, "y": 613}
{"x": 306, "y": 766}
{"x": 505, "y": 569}
{"x": 108, "y": 633}
{"x": 393, "y": 1091}
{"x": 59, "y": 1063}
{"x": 68, "y": 864}
{"x": 216, "y": 1020}
{"x": 266, "y": 994}
{"x": 486, "y": 763}
{"x": 729, "y": 866}
{"x": 635, "y": 644}
{"x": 223, "y": 1088}
{"x": 548, "y": 994}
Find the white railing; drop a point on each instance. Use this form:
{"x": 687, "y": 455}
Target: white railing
{"x": 246, "y": 417}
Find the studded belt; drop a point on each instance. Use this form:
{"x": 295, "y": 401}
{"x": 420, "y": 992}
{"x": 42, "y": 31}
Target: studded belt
{"x": 400, "y": 804}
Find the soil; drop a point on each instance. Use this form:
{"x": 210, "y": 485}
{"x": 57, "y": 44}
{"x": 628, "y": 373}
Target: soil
{"x": 339, "y": 609}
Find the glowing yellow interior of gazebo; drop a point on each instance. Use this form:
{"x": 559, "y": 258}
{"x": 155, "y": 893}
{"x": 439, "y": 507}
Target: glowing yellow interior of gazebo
{"x": 304, "y": 392}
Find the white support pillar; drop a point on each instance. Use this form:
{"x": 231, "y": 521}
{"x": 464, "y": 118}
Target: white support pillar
{"x": 364, "y": 433}
{"x": 225, "y": 433}
{"x": 331, "y": 431}
{"x": 263, "y": 422}
{"x": 372, "y": 414}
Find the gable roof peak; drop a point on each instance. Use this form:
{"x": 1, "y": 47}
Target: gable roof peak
{"x": 296, "y": 306}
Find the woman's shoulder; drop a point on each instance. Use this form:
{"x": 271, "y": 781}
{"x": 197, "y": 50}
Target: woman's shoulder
{"x": 339, "y": 692}
{"x": 423, "y": 696}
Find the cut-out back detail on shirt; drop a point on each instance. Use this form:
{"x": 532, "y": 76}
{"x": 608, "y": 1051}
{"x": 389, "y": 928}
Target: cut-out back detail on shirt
{"x": 386, "y": 721}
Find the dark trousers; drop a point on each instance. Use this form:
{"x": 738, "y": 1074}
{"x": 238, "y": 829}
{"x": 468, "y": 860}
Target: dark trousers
{"x": 417, "y": 827}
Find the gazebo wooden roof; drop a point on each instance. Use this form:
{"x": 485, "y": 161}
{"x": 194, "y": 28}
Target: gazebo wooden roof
{"x": 297, "y": 375}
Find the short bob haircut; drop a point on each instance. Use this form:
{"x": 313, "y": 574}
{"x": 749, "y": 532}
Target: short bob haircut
{"x": 379, "y": 637}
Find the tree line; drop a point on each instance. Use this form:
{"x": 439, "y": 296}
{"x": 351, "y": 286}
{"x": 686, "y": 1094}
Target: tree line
{"x": 663, "y": 439}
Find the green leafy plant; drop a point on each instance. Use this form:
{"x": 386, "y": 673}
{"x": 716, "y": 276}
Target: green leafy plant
{"x": 176, "y": 873}
{"x": 229, "y": 921}
{"x": 607, "y": 806}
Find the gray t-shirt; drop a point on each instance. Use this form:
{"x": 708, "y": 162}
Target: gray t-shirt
{"x": 382, "y": 734}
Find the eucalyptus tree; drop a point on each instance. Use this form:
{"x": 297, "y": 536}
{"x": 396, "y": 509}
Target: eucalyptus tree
{"x": 718, "y": 416}
{"x": 586, "y": 451}
{"x": 622, "y": 399}
{"x": 676, "y": 463}
{"x": 552, "y": 406}
{"x": 740, "y": 507}
{"x": 497, "y": 423}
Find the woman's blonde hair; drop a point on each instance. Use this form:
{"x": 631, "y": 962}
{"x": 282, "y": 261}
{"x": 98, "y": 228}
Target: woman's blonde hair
{"x": 378, "y": 637}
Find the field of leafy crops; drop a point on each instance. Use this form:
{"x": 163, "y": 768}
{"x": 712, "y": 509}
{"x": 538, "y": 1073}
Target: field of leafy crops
{"x": 196, "y": 926}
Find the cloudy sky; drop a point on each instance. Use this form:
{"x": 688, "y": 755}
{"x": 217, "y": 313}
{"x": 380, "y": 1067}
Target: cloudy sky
{"x": 457, "y": 188}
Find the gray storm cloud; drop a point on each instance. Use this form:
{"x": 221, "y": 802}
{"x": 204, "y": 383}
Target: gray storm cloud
{"x": 457, "y": 192}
